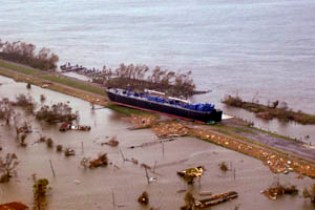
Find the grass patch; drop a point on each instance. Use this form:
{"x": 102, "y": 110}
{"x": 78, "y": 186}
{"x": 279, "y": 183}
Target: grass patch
{"x": 16, "y": 67}
{"x": 74, "y": 83}
{"x": 276, "y": 135}
{"x": 127, "y": 111}
{"x": 52, "y": 77}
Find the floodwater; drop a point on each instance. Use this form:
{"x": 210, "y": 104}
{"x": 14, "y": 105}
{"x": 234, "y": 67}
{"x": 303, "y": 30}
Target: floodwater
{"x": 76, "y": 188}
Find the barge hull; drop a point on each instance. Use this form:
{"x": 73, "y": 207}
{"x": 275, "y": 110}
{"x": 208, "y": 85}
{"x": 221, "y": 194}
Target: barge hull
{"x": 124, "y": 100}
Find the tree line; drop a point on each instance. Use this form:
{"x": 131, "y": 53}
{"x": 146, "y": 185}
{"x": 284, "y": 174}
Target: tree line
{"x": 25, "y": 53}
{"x": 140, "y": 76}
{"x": 125, "y": 75}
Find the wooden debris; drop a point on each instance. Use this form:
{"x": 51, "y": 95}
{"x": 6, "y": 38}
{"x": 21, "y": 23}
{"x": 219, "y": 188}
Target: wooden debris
{"x": 101, "y": 160}
{"x": 279, "y": 190}
{"x": 112, "y": 142}
{"x": 215, "y": 200}
{"x": 69, "y": 152}
{"x": 190, "y": 173}
{"x": 142, "y": 121}
{"x": 170, "y": 129}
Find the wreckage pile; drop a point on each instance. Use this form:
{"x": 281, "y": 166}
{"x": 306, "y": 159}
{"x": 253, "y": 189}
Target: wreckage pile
{"x": 170, "y": 129}
{"x": 100, "y": 161}
{"x": 141, "y": 121}
{"x": 276, "y": 161}
{"x": 69, "y": 126}
{"x": 190, "y": 173}
{"x": 279, "y": 190}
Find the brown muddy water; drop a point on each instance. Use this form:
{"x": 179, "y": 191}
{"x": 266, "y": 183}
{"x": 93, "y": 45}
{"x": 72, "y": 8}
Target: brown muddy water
{"x": 76, "y": 188}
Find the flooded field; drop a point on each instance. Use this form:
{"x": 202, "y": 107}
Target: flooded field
{"x": 118, "y": 185}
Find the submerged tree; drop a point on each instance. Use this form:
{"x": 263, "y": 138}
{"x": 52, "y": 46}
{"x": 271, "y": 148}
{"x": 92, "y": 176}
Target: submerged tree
{"x": 40, "y": 188}
{"x": 6, "y": 110}
{"x": 25, "y": 102}
{"x": 60, "y": 112}
{"x": 8, "y": 167}
{"x": 189, "y": 201}
{"x": 223, "y": 166}
{"x": 310, "y": 193}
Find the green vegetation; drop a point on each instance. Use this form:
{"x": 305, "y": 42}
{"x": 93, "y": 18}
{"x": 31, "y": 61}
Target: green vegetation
{"x": 268, "y": 112}
{"x": 125, "y": 110}
{"x": 19, "y": 68}
{"x": 73, "y": 83}
{"x": 50, "y": 77}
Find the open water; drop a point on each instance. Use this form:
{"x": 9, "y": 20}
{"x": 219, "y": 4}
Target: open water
{"x": 256, "y": 49}
{"x": 259, "y": 50}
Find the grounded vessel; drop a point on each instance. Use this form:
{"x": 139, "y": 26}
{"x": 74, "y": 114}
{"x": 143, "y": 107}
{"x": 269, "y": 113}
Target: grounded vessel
{"x": 158, "y": 101}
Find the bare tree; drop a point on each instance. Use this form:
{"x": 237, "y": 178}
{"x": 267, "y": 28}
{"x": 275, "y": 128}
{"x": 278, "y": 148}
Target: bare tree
{"x": 8, "y": 167}
{"x": 310, "y": 193}
{"x": 6, "y": 110}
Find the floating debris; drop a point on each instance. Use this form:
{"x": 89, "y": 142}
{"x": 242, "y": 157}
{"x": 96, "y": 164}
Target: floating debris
{"x": 68, "y": 126}
{"x": 190, "y": 173}
{"x": 279, "y": 190}
{"x": 144, "y": 198}
{"x": 134, "y": 161}
{"x": 101, "y": 160}
{"x": 112, "y": 142}
{"x": 223, "y": 167}
{"x": 194, "y": 172}
{"x": 215, "y": 200}
{"x": 69, "y": 152}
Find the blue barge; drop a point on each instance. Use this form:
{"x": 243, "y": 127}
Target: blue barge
{"x": 157, "y": 101}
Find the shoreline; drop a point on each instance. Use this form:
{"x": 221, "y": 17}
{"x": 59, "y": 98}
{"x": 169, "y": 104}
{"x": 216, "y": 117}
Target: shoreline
{"x": 279, "y": 161}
